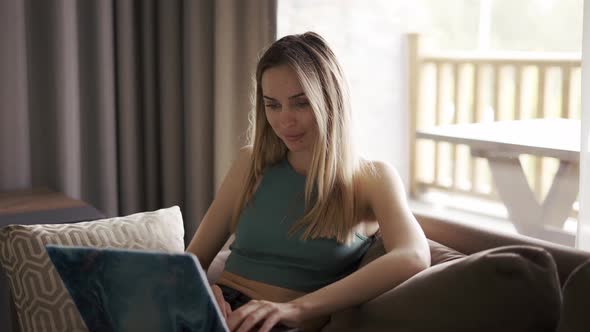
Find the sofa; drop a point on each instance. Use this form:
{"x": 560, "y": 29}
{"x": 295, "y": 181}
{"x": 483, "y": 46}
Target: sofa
{"x": 479, "y": 280}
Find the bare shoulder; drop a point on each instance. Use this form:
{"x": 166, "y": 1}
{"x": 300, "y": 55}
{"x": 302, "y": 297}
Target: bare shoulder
{"x": 377, "y": 180}
{"x": 377, "y": 168}
{"x": 386, "y": 197}
{"x": 241, "y": 163}
{"x": 376, "y": 173}
{"x": 245, "y": 154}
{"x": 236, "y": 177}
{"x": 247, "y": 149}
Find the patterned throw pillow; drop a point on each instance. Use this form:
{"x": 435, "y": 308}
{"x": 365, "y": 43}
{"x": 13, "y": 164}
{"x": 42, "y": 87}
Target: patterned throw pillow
{"x": 41, "y": 300}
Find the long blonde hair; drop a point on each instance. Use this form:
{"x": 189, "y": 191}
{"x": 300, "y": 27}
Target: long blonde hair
{"x": 331, "y": 209}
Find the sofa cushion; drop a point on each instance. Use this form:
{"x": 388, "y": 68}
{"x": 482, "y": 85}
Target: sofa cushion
{"x": 41, "y": 300}
{"x": 576, "y": 301}
{"x": 512, "y": 288}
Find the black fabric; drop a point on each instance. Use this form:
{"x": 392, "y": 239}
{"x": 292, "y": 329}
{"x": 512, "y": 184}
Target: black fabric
{"x": 236, "y": 299}
{"x": 574, "y": 310}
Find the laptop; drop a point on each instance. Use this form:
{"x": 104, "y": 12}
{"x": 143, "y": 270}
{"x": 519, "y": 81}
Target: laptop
{"x": 138, "y": 290}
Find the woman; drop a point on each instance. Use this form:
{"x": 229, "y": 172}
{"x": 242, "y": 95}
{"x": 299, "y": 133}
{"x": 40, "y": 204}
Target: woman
{"x": 303, "y": 205}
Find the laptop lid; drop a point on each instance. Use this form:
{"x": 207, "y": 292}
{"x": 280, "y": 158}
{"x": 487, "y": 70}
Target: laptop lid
{"x": 137, "y": 290}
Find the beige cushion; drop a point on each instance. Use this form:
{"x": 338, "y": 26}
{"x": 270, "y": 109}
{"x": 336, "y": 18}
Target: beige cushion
{"x": 513, "y": 288}
{"x": 42, "y": 302}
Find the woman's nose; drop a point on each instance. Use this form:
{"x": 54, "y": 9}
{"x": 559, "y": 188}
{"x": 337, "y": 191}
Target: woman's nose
{"x": 288, "y": 117}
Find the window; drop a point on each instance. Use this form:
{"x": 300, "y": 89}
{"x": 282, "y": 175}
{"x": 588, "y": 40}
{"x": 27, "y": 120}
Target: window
{"x": 370, "y": 40}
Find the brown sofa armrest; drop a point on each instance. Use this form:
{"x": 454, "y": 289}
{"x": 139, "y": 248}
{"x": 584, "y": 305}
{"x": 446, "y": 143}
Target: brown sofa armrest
{"x": 468, "y": 240}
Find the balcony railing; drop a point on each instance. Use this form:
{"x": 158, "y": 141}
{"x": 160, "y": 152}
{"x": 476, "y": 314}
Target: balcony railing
{"x": 467, "y": 87}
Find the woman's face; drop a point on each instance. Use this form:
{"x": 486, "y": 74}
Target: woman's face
{"x": 287, "y": 108}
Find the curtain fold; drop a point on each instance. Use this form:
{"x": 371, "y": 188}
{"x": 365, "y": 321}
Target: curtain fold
{"x": 15, "y": 168}
{"x": 128, "y": 105}
{"x": 98, "y": 117}
{"x": 128, "y": 121}
{"x": 237, "y": 50}
{"x": 198, "y": 96}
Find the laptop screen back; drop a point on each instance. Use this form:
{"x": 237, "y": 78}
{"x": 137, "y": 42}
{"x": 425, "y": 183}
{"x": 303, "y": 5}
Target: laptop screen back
{"x": 132, "y": 290}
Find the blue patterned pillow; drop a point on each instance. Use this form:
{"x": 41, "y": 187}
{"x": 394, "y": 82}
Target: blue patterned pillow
{"x": 137, "y": 290}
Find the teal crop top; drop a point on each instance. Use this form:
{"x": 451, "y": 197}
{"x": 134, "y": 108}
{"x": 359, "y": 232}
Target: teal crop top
{"x": 263, "y": 251}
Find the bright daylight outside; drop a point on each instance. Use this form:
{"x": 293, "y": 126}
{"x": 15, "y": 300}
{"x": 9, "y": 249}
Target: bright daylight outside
{"x": 477, "y": 103}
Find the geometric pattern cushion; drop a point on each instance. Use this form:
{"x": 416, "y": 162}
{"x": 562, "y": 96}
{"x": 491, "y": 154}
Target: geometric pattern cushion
{"x": 42, "y": 302}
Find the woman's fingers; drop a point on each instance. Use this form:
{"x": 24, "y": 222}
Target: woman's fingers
{"x": 270, "y": 321}
{"x": 242, "y": 313}
{"x": 257, "y": 312}
{"x": 220, "y": 300}
{"x": 227, "y": 310}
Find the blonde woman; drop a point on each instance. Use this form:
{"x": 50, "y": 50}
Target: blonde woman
{"x": 303, "y": 205}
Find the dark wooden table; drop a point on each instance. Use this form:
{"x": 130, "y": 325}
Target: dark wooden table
{"x": 43, "y": 206}
{"x": 30, "y": 207}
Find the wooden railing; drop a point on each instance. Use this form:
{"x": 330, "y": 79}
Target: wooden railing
{"x": 464, "y": 87}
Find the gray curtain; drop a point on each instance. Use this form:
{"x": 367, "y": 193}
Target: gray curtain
{"x": 127, "y": 105}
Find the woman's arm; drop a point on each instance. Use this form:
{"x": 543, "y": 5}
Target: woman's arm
{"x": 213, "y": 231}
{"x": 407, "y": 251}
{"x": 407, "y": 254}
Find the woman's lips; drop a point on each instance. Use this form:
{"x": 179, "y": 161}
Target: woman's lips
{"x": 294, "y": 138}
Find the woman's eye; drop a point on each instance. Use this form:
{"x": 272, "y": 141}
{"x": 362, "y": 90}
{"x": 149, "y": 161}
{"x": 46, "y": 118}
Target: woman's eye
{"x": 272, "y": 106}
{"x": 302, "y": 104}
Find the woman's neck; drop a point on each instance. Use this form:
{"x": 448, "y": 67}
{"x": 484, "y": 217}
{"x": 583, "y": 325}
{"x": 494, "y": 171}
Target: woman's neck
{"x": 299, "y": 161}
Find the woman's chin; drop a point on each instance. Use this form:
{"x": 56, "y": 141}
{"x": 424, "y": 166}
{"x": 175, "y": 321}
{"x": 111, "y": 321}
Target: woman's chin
{"x": 295, "y": 146}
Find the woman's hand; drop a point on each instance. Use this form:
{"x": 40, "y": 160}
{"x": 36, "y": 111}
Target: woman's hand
{"x": 265, "y": 313}
{"x": 223, "y": 305}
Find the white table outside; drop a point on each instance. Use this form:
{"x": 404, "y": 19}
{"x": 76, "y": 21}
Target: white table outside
{"x": 501, "y": 143}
